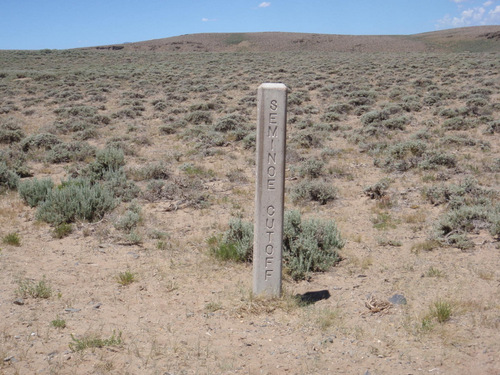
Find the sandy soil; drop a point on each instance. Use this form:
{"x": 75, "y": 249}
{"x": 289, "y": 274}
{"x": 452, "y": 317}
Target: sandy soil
{"x": 188, "y": 313}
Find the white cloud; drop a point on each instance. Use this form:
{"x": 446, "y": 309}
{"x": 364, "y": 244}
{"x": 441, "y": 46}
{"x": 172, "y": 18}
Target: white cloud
{"x": 495, "y": 13}
{"x": 208, "y": 19}
{"x": 264, "y": 4}
{"x": 471, "y": 17}
{"x": 459, "y": 1}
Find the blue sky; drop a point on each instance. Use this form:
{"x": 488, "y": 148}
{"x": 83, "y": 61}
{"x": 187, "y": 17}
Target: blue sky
{"x": 60, "y": 24}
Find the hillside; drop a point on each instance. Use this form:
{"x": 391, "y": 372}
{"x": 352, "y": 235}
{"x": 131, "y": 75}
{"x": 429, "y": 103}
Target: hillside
{"x": 474, "y": 39}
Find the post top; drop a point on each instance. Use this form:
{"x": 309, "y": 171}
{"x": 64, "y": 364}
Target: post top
{"x": 276, "y": 86}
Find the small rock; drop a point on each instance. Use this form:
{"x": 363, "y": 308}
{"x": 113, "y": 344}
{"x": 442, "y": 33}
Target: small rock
{"x": 97, "y": 305}
{"x": 329, "y": 340}
{"x": 398, "y": 299}
{"x": 19, "y": 302}
{"x": 10, "y": 358}
{"x": 71, "y": 310}
{"x": 368, "y": 372}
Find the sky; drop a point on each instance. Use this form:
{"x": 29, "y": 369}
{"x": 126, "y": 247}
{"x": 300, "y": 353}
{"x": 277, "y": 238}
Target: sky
{"x": 62, "y": 24}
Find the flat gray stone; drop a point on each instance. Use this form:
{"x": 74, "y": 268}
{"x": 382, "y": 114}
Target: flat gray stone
{"x": 72, "y": 310}
{"x": 398, "y": 299}
{"x": 19, "y": 302}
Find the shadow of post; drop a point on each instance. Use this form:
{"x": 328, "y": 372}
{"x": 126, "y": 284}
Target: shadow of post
{"x": 309, "y": 298}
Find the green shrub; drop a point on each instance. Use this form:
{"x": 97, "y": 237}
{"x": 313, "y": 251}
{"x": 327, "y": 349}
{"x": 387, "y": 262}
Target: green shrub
{"x": 130, "y": 219}
{"x": 58, "y": 323}
{"x": 458, "y": 123}
{"x": 495, "y": 223}
{"x": 12, "y": 239}
{"x": 159, "y": 105}
{"x": 441, "y": 310}
{"x": 211, "y": 139}
{"x": 463, "y": 219}
{"x": 199, "y": 117}
{"x": 76, "y": 200}
{"x": 340, "y": 108}
{"x": 465, "y": 193}
{"x": 107, "y": 159}
{"x": 434, "y": 159}
{"x": 35, "y": 191}
{"x": 309, "y": 245}
{"x": 307, "y": 138}
{"x": 236, "y": 244}
{"x": 76, "y": 111}
{"x": 396, "y": 123}
{"x": 378, "y": 190}
{"x": 116, "y": 182}
{"x": 42, "y": 140}
{"x": 62, "y": 230}
{"x": 86, "y": 134}
{"x": 228, "y": 123}
{"x": 92, "y": 342}
{"x": 249, "y": 141}
{"x": 469, "y": 208}
{"x": 493, "y": 127}
{"x": 330, "y": 117}
{"x": 153, "y": 171}
{"x": 315, "y": 190}
{"x": 449, "y": 112}
{"x": 10, "y": 130}
{"x": 14, "y": 159}
{"x": 126, "y": 278}
{"x": 312, "y": 168}
{"x": 66, "y": 152}
{"x": 222, "y": 250}
{"x": 374, "y": 116}
{"x": 412, "y": 154}
{"x": 8, "y": 179}
{"x": 383, "y": 221}
{"x": 30, "y": 288}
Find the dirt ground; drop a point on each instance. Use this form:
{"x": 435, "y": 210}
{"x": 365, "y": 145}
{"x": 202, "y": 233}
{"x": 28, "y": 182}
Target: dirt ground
{"x": 188, "y": 313}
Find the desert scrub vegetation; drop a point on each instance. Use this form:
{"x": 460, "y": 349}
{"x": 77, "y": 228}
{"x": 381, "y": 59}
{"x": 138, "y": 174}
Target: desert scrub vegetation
{"x": 130, "y": 219}
{"x": 309, "y": 245}
{"x": 35, "y": 191}
{"x": 58, "y": 323}
{"x": 30, "y": 288}
{"x": 320, "y": 191}
{"x": 76, "y": 200}
{"x": 12, "y": 239}
{"x": 94, "y": 341}
{"x": 125, "y": 278}
{"x": 407, "y": 155}
{"x": 10, "y": 130}
{"x": 72, "y": 200}
{"x": 469, "y": 208}
{"x": 8, "y": 178}
{"x": 235, "y": 244}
